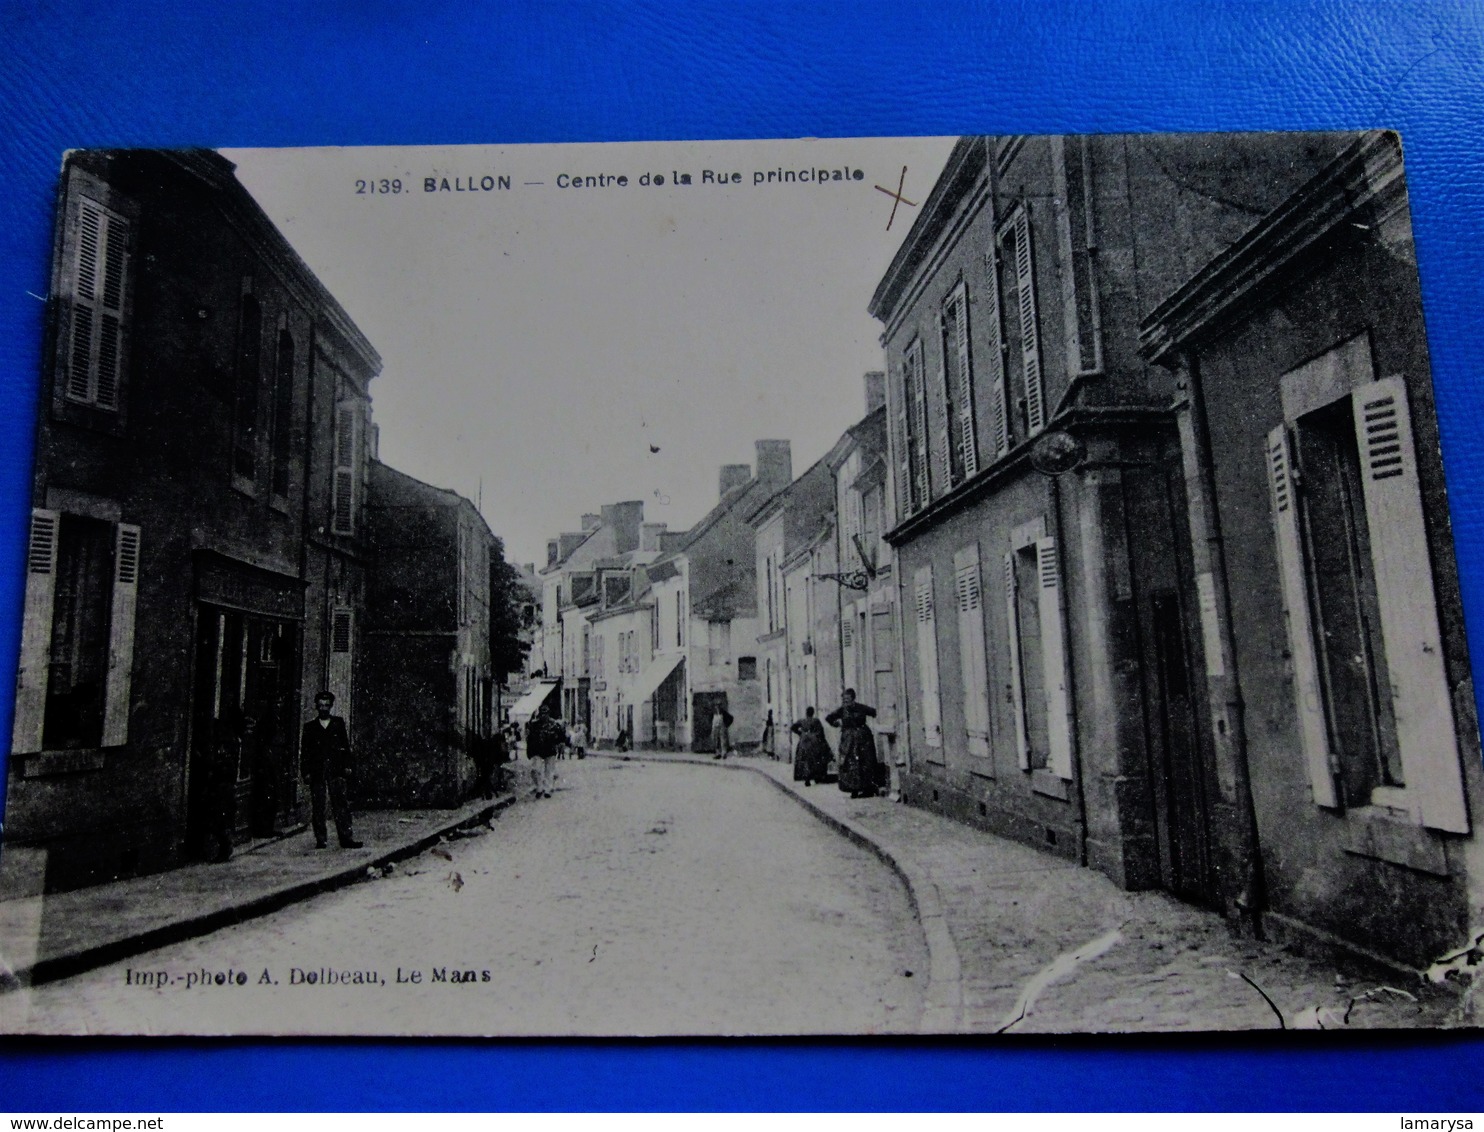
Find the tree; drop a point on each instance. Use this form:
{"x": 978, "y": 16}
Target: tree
{"x": 510, "y": 615}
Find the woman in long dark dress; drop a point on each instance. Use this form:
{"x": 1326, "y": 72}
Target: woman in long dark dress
{"x": 857, "y": 745}
{"x": 812, "y": 759}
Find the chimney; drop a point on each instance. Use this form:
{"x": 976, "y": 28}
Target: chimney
{"x": 624, "y": 519}
{"x": 649, "y": 535}
{"x": 529, "y": 568}
{"x": 733, "y": 476}
{"x": 875, "y": 390}
{"x": 553, "y": 551}
{"x": 775, "y": 464}
{"x": 591, "y": 522}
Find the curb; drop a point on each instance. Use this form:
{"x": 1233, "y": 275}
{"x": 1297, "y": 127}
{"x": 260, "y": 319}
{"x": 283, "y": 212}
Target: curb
{"x": 65, "y": 966}
{"x": 943, "y": 997}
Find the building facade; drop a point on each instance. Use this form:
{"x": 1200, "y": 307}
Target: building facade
{"x": 195, "y": 555}
{"x": 1043, "y": 567}
{"x": 423, "y": 678}
{"x": 1336, "y": 686}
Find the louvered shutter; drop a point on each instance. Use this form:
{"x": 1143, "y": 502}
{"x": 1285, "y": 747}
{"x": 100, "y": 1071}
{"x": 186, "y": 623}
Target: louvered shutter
{"x": 1030, "y": 339}
{"x": 927, "y": 658}
{"x": 1054, "y": 660}
{"x": 1409, "y": 619}
{"x": 1313, "y": 735}
{"x": 342, "y": 501}
{"x": 903, "y": 462}
{"x": 121, "y": 636}
{"x": 100, "y": 266}
{"x": 946, "y": 439}
{"x": 36, "y": 633}
{"x": 973, "y": 666}
{"x": 922, "y": 478}
{"x": 1017, "y": 681}
{"x": 968, "y": 442}
{"x": 999, "y": 399}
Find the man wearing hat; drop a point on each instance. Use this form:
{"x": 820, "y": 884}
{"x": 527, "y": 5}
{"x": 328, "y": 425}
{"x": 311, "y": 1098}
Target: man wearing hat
{"x": 325, "y": 753}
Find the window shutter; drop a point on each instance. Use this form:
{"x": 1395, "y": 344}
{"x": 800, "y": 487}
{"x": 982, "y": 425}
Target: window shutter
{"x": 1054, "y": 661}
{"x": 903, "y": 462}
{"x": 121, "y": 636}
{"x": 927, "y": 658}
{"x": 1409, "y": 617}
{"x": 966, "y": 423}
{"x": 922, "y": 478}
{"x": 1030, "y": 341}
{"x": 36, "y": 633}
{"x": 1017, "y": 682}
{"x": 95, "y": 357}
{"x": 1313, "y": 736}
{"x": 342, "y": 503}
{"x": 946, "y": 439}
{"x": 972, "y": 663}
{"x": 999, "y": 411}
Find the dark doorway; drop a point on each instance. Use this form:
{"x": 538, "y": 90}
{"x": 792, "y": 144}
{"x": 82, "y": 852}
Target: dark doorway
{"x": 243, "y": 771}
{"x": 704, "y": 705}
{"x": 1179, "y": 778}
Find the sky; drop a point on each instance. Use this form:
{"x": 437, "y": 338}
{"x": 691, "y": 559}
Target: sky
{"x": 540, "y": 343}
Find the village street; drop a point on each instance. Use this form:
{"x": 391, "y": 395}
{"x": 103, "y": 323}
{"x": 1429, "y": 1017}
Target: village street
{"x": 640, "y": 899}
{"x": 651, "y": 895}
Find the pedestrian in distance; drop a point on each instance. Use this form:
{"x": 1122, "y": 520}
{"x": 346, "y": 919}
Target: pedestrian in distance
{"x": 544, "y": 739}
{"x": 812, "y": 756}
{"x": 329, "y": 768}
{"x": 858, "y": 775}
{"x": 578, "y": 738}
{"x": 622, "y": 743}
{"x": 721, "y": 732}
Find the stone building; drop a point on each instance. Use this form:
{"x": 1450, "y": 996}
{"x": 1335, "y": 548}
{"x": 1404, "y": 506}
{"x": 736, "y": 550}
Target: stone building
{"x": 423, "y": 677}
{"x": 196, "y": 543}
{"x": 1043, "y": 563}
{"x": 1336, "y": 707}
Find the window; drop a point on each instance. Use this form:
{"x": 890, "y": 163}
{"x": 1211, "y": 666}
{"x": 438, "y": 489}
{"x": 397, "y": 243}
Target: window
{"x": 343, "y": 487}
{"x": 747, "y": 668}
{"x": 914, "y": 430}
{"x": 283, "y": 412}
{"x": 77, "y": 646}
{"x": 99, "y": 270}
{"x": 1016, "y": 300}
{"x": 341, "y": 665}
{"x": 1375, "y": 716}
{"x": 719, "y": 642}
{"x": 927, "y": 657}
{"x": 960, "y": 449}
{"x": 1037, "y": 653}
{"x": 679, "y": 618}
{"x": 973, "y": 665}
{"x": 245, "y": 399}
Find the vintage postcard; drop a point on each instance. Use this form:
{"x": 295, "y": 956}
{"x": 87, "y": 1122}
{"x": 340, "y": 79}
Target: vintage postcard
{"x": 993, "y": 584}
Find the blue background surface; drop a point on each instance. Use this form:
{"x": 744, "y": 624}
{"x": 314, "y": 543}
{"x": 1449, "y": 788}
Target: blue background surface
{"x": 376, "y": 72}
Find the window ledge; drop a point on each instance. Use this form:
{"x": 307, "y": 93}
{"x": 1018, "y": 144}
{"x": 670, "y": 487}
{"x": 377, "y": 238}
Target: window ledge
{"x": 1379, "y": 834}
{"x": 1051, "y": 785}
{"x": 48, "y": 763}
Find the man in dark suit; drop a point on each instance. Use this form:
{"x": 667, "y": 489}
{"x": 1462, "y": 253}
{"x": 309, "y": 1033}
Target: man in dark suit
{"x": 325, "y": 752}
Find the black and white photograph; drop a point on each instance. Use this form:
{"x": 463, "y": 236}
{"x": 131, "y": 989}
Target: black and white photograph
{"x": 983, "y": 585}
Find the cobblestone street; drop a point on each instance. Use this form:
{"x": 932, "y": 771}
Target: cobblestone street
{"x": 641, "y": 899}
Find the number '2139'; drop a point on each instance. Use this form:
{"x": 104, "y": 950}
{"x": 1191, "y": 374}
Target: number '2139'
{"x": 385, "y": 185}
